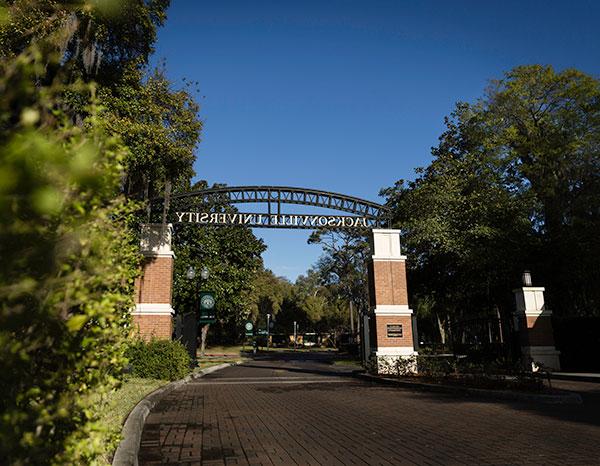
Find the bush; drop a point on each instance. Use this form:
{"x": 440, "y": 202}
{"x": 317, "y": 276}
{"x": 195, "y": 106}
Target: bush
{"x": 68, "y": 265}
{"x": 158, "y": 359}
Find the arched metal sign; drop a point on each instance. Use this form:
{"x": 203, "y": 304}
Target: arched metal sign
{"x": 204, "y": 207}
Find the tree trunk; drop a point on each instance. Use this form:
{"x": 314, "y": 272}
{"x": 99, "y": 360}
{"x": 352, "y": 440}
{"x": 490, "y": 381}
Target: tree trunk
{"x": 203, "y": 334}
{"x": 166, "y": 202}
{"x": 441, "y": 329}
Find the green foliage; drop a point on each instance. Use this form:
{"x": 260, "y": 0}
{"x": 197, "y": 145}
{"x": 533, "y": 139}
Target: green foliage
{"x": 158, "y": 359}
{"x": 232, "y": 256}
{"x": 67, "y": 278}
{"x": 547, "y": 124}
{"x": 269, "y": 292}
{"x": 448, "y": 370}
{"x": 160, "y": 126}
{"x": 343, "y": 265}
{"x": 514, "y": 184}
{"x": 93, "y": 39}
{"x": 69, "y": 254}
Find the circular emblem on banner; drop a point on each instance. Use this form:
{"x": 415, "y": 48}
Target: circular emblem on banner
{"x": 207, "y": 302}
{"x": 249, "y": 326}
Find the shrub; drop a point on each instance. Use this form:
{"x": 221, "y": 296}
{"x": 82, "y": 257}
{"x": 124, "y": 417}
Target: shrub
{"x": 158, "y": 359}
{"x": 66, "y": 282}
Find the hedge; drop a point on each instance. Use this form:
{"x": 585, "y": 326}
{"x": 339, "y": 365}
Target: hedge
{"x": 158, "y": 359}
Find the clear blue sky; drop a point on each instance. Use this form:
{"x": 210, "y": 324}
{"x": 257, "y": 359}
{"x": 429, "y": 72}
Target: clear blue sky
{"x": 349, "y": 96}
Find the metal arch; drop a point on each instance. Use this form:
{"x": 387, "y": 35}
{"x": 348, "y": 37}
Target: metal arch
{"x": 290, "y": 195}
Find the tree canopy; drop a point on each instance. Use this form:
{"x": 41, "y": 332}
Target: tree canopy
{"x": 84, "y": 128}
{"x": 513, "y": 185}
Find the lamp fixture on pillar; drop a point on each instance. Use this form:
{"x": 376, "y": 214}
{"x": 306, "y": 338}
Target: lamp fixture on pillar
{"x": 526, "y": 278}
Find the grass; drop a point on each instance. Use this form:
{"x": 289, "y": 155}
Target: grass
{"x": 347, "y": 362}
{"x": 235, "y": 349}
{"x": 204, "y": 363}
{"x": 119, "y": 403}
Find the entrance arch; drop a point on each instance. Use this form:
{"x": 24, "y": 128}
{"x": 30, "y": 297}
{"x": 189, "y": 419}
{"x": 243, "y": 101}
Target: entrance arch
{"x": 388, "y": 330}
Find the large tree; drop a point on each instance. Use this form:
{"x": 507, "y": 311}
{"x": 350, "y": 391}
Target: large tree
{"x": 465, "y": 233}
{"x": 513, "y": 184}
{"x": 547, "y": 125}
{"x": 232, "y": 256}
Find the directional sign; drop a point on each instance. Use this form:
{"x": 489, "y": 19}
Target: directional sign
{"x": 249, "y": 329}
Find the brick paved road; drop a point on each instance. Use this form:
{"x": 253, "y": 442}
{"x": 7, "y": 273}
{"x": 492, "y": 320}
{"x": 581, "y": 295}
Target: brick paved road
{"x": 305, "y": 412}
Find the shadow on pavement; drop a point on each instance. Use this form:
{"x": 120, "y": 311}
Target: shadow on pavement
{"x": 587, "y": 413}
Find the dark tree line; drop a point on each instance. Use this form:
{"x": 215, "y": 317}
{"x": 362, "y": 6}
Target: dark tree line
{"x": 514, "y": 184}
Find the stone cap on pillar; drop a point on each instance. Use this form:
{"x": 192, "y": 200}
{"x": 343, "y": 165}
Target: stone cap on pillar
{"x": 530, "y": 301}
{"x": 155, "y": 240}
{"x": 385, "y": 245}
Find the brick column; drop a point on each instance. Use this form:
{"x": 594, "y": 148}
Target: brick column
{"x": 391, "y": 335}
{"x": 153, "y": 289}
{"x": 535, "y": 327}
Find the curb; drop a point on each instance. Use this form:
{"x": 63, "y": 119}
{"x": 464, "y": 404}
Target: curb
{"x": 574, "y": 377}
{"x": 127, "y": 452}
{"x": 569, "y": 398}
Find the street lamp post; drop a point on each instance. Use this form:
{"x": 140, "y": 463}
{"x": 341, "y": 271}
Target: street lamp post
{"x": 204, "y": 274}
{"x": 190, "y": 324}
{"x": 295, "y": 336}
{"x": 268, "y": 329}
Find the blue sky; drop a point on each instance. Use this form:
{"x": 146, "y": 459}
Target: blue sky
{"x": 349, "y": 96}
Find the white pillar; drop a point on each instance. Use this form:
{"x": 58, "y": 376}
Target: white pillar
{"x": 389, "y": 299}
{"x": 535, "y": 328}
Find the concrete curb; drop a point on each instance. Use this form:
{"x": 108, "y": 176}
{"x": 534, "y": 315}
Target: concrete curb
{"x": 575, "y": 377}
{"x": 569, "y": 398}
{"x": 127, "y": 452}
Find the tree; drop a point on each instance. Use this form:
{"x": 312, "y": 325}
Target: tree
{"x": 547, "y": 125}
{"x": 343, "y": 266}
{"x": 109, "y": 43}
{"x": 232, "y": 256}
{"x": 159, "y": 125}
{"x": 268, "y": 294}
{"x": 513, "y": 185}
{"x": 88, "y": 40}
{"x": 466, "y": 234}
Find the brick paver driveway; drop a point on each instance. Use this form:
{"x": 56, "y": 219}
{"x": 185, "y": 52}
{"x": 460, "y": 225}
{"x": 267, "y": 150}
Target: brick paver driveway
{"x": 304, "y": 411}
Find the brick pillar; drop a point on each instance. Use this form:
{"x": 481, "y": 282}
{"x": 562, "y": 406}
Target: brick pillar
{"x": 391, "y": 332}
{"x": 534, "y": 323}
{"x": 153, "y": 289}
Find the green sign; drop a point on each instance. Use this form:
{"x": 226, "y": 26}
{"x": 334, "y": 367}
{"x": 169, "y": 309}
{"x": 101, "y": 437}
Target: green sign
{"x": 207, "y": 308}
{"x": 263, "y": 332}
{"x": 249, "y": 327}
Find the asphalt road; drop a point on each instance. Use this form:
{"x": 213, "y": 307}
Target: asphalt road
{"x": 300, "y": 409}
